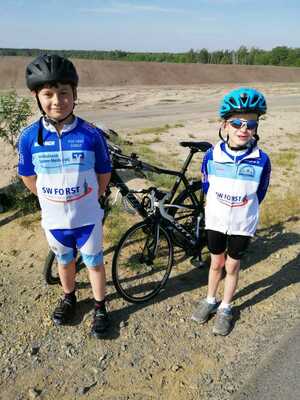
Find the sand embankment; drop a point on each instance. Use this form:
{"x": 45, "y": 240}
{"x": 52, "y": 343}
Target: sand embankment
{"x": 122, "y": 73}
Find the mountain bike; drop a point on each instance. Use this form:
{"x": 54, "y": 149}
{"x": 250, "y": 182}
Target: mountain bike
{"x": 192, "y": 194}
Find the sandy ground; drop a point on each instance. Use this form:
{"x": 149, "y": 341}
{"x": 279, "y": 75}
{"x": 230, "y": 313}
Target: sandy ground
{"x": 130, "y": 109}
{"x": 155, "y": 351}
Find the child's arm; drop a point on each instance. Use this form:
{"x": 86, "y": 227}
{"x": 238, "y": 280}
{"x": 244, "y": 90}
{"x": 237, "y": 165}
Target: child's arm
{"x": 30, "y": 183}
{"x": 205, "y": 183}
{"x": 103, "y": 181}
{"x": 264, "y": 181}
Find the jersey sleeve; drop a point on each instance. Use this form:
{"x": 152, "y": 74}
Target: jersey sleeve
{"x": 25, "y": 164}
{"x": 205, "y": 183}
{"x": 103, "y": 162}
{"x": 264, "y": 181}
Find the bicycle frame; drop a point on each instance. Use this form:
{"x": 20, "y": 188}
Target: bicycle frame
{"x": 135, "y": 163}
{"x": 168, "y": 222}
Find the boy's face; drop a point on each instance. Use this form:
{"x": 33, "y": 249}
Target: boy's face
{"x": 240, "y": 128}
{"x": 57, "y": 101}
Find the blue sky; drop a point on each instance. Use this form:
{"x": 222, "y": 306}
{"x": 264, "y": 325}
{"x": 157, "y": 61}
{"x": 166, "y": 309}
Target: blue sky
{"x": 145, "y": 25}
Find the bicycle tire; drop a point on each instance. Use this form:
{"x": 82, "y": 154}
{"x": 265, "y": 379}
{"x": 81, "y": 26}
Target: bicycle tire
{"x": 50, "y": 272}
{"x": 188, "y": 218}
{"x": 135, "y": 276}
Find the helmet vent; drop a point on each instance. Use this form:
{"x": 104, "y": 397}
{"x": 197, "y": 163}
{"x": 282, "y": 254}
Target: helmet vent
{"x": 232, "y": 101}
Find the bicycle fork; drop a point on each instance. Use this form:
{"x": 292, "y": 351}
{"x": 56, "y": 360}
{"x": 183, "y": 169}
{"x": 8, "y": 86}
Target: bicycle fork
{"x": 151, "y": 246}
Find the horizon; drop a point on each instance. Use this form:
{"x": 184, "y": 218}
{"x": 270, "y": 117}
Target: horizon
{"x": 149, "y": 26}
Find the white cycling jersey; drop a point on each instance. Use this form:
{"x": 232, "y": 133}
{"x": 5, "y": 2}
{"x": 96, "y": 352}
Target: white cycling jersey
{"x": 66, "y": 166}
{"x": 235, "y": 186}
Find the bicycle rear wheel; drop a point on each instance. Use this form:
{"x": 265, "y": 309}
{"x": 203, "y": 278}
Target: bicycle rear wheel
{"x": 187, "y": 217}
{"x": 50, "y": 270}
{"x": 142, "y": 262}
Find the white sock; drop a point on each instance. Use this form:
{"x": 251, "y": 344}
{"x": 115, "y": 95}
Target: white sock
{"x": 211, "y": 300}
{"x": 224, "y": 305}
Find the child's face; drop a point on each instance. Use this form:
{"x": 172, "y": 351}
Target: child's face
{"x": 237, "y": 129}
{"x": 57, "y": 101}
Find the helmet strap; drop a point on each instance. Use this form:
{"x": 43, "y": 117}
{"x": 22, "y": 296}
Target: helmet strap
{"x": 51, "y": 121}
{"x": 250, "y": 144}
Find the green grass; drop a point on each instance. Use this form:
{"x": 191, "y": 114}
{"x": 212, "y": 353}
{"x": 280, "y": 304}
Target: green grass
{"x": 277, "y": 207}
{"x": 157, "y": 130}
{"x": 284, "y": 159}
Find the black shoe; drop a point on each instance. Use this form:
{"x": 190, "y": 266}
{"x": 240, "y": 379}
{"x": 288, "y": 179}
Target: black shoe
{"x": 64, "y": 312}
{"x": 100, "y": 323}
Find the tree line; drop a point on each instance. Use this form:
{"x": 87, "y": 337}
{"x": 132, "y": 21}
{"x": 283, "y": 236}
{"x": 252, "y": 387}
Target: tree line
{"x": 280, "y": 55}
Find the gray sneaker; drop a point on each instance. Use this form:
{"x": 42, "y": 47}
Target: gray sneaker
{"x": 223, "y": 322}
{"x": 203, "y": 311}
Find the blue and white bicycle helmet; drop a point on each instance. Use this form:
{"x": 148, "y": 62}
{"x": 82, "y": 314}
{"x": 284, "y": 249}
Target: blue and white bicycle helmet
{"x": 242, "y": 100}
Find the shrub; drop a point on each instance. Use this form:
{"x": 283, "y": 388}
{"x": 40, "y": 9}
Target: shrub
{"x": 14, "y": 114}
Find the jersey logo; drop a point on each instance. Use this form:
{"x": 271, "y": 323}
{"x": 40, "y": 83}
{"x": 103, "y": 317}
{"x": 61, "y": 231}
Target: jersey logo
{"x": 247, "y": 170}
{"x": 78, "y": 156}
{"x": 66, "y": 194}
{"x": 232, "y": 201}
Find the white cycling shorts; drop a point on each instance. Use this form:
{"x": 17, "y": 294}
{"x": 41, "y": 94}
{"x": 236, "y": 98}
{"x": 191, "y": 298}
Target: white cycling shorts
{"x": 88, "y": 239}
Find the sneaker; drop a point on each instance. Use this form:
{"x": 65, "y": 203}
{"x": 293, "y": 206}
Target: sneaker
{"x": 203, "y": 311}
{"x": 223, "y": 323}
{"x": 64, "y": 312}
{"x": 100, "y": 323}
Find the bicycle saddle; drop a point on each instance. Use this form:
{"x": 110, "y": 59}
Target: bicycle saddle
{"x": 197, "y": 146}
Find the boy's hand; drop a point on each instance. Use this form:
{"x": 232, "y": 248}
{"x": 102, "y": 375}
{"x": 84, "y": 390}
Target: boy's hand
{"x": 30, "y": 183}
{"x": 103, "y": 181}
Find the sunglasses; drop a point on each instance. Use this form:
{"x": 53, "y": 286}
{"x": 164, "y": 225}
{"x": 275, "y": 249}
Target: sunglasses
{"x": 239, "y": 123}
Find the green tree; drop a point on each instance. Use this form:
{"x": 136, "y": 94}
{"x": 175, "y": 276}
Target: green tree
{"x": 14, "y": 114}
{"x": 279, "y": 55}
{"x": 203, "y": 56}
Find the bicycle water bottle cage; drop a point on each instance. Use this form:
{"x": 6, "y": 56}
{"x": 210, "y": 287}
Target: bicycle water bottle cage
{"x": 197, "y": 146}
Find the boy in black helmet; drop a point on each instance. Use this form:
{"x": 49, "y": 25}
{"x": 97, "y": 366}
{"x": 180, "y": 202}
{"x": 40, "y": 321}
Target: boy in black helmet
{"x": 65, "y": 161}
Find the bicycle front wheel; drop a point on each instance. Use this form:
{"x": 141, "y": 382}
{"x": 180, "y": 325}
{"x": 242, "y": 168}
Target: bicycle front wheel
{"x": 142, "y": 262}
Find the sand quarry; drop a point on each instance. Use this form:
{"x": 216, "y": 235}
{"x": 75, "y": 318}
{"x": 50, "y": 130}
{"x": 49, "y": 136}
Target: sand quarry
{"x": 155, "y": 351}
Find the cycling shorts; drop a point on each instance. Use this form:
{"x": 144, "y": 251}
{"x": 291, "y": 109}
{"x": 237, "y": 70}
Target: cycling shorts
{"x": 88, "y": 239}
{"x": 218, "y": 242}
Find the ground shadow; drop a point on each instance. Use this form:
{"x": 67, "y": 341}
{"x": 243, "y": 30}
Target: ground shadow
{"x": 176, "y": 285}
{"x": 268, "y": 241}
{"x": 288, "y": 274}
{"x": 15, "y": 198}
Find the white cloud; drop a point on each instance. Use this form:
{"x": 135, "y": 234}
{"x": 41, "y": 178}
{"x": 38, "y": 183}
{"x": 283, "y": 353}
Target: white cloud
{"x": 120, "y": 8}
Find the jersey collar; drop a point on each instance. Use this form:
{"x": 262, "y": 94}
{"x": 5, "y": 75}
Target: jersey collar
{"x": 66, "y": 128}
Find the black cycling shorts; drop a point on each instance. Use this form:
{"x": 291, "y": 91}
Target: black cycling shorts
{"x": 236, "y": 245}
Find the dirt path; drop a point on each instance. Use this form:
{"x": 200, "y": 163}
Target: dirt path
{"x": 154, "y": 351}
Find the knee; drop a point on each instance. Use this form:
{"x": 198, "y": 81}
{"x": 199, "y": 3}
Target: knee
{"x": 217, "y": 263}
{"x": 232, "y": 266}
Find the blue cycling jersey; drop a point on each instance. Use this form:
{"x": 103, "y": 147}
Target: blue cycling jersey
{"x": 66, "y": 166}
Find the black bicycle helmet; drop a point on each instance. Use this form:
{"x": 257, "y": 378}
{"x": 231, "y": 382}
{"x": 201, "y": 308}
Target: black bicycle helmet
{"x": 50, "y": 69}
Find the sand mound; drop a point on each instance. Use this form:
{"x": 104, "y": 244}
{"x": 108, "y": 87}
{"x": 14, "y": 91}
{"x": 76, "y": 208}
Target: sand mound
{"x": 118, "y": 73}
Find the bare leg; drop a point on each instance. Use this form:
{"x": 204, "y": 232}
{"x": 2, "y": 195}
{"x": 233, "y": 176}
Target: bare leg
{"x": 67, "y": 274}
{"x": 98, "y": 281}
{"x": 215, "y": 273}
{"x": 232, "y": 275}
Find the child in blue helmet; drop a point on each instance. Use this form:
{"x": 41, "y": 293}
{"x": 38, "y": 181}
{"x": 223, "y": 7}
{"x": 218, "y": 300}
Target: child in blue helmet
{"x": 236, "y": 176}
{"x": 64, "y": 160}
